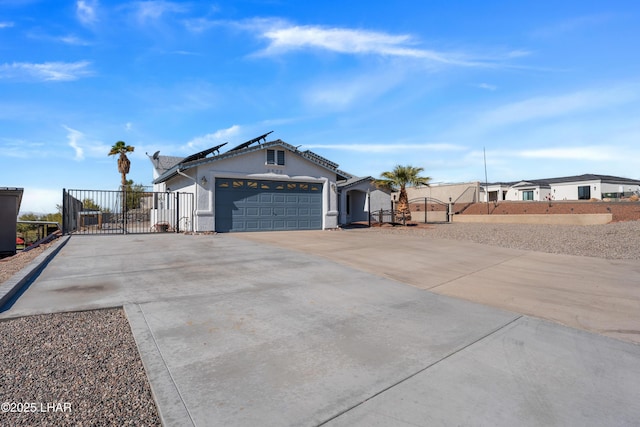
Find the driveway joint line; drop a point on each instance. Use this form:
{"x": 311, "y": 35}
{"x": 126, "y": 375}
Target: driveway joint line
{"x": 476, "y": 271}
{"x": 453, "y": 353}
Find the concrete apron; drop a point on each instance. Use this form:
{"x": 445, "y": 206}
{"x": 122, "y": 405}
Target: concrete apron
{"x": 234, "y": 332}
{"x": 597, "y": 295}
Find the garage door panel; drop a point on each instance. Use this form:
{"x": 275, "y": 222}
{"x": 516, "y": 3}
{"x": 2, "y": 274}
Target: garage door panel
{"x": 253, "y": 205}
{"x": 266, "y": 198}
{"x": 252, "y": 212}
{"x": 291, "y": 211}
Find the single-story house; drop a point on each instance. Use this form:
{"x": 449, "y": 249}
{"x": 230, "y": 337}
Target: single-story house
{"x": 264, "y": 185}
{"x": 580, "y": 187}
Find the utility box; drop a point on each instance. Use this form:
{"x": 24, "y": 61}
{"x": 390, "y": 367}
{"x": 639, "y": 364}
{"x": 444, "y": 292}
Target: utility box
{"x": 10, "y": 199}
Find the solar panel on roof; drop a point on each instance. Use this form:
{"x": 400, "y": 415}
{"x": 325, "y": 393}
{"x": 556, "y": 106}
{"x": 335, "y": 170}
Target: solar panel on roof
{"x": 202, "y": 154}
{"x": 251, "y": 141}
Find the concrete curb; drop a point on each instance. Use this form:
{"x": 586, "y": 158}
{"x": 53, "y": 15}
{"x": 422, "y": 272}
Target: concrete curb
{"x": 9, "y": 288}
{"x": 170, "y": 404}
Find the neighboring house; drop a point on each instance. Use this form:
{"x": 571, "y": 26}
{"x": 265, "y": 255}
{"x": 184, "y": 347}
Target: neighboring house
{"x": 257, "y": 187}
{"x": 359, "y": 196}
{"x": 581, "y": 187}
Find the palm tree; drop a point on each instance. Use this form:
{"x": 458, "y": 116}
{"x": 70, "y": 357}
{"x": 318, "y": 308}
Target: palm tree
{"x": 124, "y": 164}
{"x": 399, "y": 178}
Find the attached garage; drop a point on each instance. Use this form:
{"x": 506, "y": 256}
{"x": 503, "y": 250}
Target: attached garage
{"x": 255, "y": 186}
{"x": 264, "y": 205}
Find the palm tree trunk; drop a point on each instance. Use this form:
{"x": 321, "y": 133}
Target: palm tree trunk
{"x": 403, "y": 204}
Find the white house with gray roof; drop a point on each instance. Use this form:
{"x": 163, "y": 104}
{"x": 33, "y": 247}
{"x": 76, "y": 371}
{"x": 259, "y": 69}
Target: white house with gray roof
{"x": 256, "y": 186}
{"x": 580, "y": 187}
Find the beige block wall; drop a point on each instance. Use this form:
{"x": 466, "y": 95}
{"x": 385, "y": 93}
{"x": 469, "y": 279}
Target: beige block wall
{"x": 556, "y": 219}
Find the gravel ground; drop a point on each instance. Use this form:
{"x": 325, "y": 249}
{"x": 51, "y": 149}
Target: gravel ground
{"x": 619, "y": 240}
{"x": 75, "y": 369}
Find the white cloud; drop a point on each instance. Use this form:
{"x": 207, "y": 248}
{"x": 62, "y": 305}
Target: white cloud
{"x": 128, "y": 126}
{"x": 487, "y": 86}
{"x": 73, "y": 40}
{"x": 74, "y": 137}
{"x": 86, "y": 11}
{"x": 387, "y": 148}
{"x": 340, "y": 94}
{"x": 146, "y": 11}
{"x": 6, "y": 24}
{"x": 549, "y": 107}
{"x": 593, "y": 153}
{"x": 46, "y": 71}
{"x": 572, "y": 25}
{"x": 283, "y": 37}
{"x": 214, "y": 138}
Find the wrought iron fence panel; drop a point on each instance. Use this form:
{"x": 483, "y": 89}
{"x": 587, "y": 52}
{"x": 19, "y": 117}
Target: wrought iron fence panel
{"x": 126, "y": 212}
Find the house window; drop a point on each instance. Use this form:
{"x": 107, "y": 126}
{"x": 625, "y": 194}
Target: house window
{"x": 527, "y": 195}
{"x": 275, "y": 157}
{"x": 584, "y": 192}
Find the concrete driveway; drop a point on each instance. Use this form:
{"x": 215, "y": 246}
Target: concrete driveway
{"x": 239, "y": 330}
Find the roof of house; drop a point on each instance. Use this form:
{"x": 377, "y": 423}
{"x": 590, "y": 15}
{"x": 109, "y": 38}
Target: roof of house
{"x": 168, "y": 167}
{"x": 545, "y": 183}
{"x": 355, "y": 180}
{"x": 13, "y": 191}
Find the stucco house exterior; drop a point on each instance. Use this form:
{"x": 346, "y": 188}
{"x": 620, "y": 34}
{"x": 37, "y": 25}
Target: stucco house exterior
{"x": 580, "y": 187}
{"x": 358, "y": 197}
{"x": 261, "y": 186}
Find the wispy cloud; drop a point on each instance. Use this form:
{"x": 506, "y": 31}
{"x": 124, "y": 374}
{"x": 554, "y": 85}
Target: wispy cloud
{"x": 74, "y": 137}
{"x": 6, "y": 24}
{"x": 46, "y": 71}
{"x": 73, "y": 40}
{"x": 547, "y": 107}
{"x": 594, "y": 153}
{"x": 339, "y": 94}
{"x": 487, "y": 86}
{"x": 387, "y": 148}
{"x": 283, "y": 37}
{"x": 153, "y": 10}
{"x": 86, "y": 11}
{"x": 571, "y": 25}
{"x": 214, "y": 138}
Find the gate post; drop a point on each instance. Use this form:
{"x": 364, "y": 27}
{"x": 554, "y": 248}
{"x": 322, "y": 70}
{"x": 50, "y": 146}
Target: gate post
{"x": 65, "y": 224}
{"x": 425, "y": 210}
{"x": 177, "y": 211}
{"x": 124, "y": 210}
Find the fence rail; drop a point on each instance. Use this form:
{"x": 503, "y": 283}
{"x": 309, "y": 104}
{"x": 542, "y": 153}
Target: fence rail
{"x": 125, "y": 212}
{"x": 396, "y": 217}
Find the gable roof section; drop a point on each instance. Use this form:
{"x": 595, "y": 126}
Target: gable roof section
{"x": 164, "y": 163}
{"x": 183, "y": 165}
{"x": 355, "y": 180}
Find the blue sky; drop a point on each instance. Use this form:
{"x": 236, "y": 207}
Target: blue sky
{"x": 547, "y": 88}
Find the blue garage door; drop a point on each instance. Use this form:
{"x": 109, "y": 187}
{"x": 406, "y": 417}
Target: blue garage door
{"x": 258, "y": 205}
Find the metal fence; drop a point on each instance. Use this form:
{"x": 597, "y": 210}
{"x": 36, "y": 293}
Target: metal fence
{"x": 425, "y": 209}
{"x": 126, "y": 212}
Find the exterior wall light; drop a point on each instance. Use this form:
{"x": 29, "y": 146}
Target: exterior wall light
{"x": 203, "y": 181}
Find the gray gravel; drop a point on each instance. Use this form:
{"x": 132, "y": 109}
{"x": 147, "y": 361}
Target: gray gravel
{"x": 619, "y": 240}
{"x": 86, "y": 359}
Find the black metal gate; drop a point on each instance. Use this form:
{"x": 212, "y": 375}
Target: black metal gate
{"x": 126, "y": 212}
